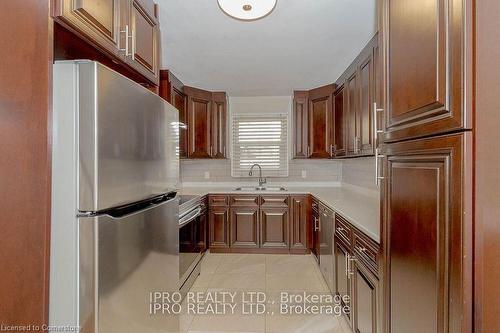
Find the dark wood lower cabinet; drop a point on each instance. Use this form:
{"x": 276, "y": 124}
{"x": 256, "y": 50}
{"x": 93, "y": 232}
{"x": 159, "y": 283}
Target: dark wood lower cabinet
{"x": 315, "y": 241}
{"x": 244, "y": 225}
{"x": 219, "y": 227}
{"x": 364, "y": 299}
{"x": 260, "y": 224}
{"x": 342, "y": 280}
{"x": 300, "y": 216}
{"x": 274, "y": 228}
{"x": 427, "y": 251}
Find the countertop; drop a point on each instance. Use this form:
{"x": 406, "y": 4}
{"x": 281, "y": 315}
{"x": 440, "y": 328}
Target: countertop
{"x": 360, "y": 207}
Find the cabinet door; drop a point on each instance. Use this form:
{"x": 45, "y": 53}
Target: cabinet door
{"x": 366, "y": 92}
{"x": 274, "y": 228}
{"x": 300, "y": 124}
{"x": 219, "y": 227}
{"x": 364, "y": 299}
{"x": 352, "y": 114}
{"x": 245, "y": 227}
{"x": 97, "y": 20}
{"x": 199, "y": 122}
{"x": 339, "y": 122}
{"x": 427, "y": 67}
{"x": 172, "y": 90}
{"x": 300, "y": 211}
{"x": 342, "y": 279}
{"x": 320, "y": 122}
{"x": 426, "y": 251}
{"x": 219, "y": 125}
{"x": 144, "y": 34}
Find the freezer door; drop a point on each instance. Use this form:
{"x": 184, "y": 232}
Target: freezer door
{"x": 127, "y": 138}
{"x": 122, "y": 260}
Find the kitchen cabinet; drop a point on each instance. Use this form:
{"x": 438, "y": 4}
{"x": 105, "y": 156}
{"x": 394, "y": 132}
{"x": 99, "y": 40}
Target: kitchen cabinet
{"x": 300, "y": 124}
{"x": 172, "y": 90}
{"x": 426, "y": 234}
{"x": 244, "y": 225}
{"x": 127, "y": 30}
{"x": 300, "y": 212}
{"x": 364, "y": 301}
{"x": 352, "y": 116}
{"x": 366, "y": 93}
{"x": 219, "y": 227}
{"x": 199, "y": 122}
{"x": 354, "y": 99}
{"x": 356, "y": 262}
{"x": 271, "y": 223}
{"x": 313, "y": 123}
{"x": 320, "y": 122}
{"x": 206, "y": 123}
{"x": 339, "y": 122}
{"x": 274, "y": 222}
{"x": 218, "y": 125}
{"x": 428, "y": 88}
{"x": 144, "y": 32}
{"x": 342, "y": 281}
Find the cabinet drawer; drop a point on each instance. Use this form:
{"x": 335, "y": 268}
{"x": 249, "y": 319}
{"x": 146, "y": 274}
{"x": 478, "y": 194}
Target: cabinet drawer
{"x": 274, "y": 201}
{"x": 366, "y": 250}
{"x": 244, "y": 200}
{"x": 343, "y": 229}
{"x": 218, "y": 200}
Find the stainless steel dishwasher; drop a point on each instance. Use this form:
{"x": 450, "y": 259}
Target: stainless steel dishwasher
{"x": 326, "y": 221}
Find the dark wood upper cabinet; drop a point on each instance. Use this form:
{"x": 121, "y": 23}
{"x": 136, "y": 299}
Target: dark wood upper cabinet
{"x": 144, "y": 38}
{"x": 366, "y": 100}
{"x": 357, "y": 89}
{"x": 206, "y": 123}
{"x": 427, "y": 66}
{"x": 339, "y": 121}
{"x": 99, "y": 20}
{"x": 244, "y": 227}
{"x": 219, "y": 125}
{"x": 172, "y": 89}
{"x": 199, "y": 122}
{"x": 351, "y": 112}
{"x": 127, "y": 30}
{"x": 320, "y": 122}
{"x": 301, "y": 124}
{"x": 427, "y": 251}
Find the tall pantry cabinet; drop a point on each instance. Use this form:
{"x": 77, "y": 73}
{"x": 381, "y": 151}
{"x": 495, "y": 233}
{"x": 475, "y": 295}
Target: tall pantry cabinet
{"x": 424, "y": 167}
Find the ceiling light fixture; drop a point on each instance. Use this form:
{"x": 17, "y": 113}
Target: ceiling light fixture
{"x": 247, "y": 10}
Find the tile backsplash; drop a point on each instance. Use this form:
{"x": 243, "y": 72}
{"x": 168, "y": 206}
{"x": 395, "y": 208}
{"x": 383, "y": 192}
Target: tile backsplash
{"x": 200, "y": 171}
{"x": 359, "y": 172}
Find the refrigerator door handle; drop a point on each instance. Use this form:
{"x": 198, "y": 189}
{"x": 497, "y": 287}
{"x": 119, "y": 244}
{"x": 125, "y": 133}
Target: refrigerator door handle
{"x": 137, "y": 208}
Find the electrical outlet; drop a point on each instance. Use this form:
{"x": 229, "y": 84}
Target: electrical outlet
{"x": 207, "y": 174}
{"x": 304, "y": 174}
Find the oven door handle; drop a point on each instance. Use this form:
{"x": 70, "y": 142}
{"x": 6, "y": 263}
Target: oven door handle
{"x": 189, "y": 217}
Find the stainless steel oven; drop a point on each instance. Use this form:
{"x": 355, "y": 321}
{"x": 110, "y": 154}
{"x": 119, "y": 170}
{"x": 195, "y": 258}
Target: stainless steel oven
{"x": 192, "y": 239}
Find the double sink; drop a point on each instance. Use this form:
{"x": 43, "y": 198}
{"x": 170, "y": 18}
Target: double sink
{"x": 261, "y": 188}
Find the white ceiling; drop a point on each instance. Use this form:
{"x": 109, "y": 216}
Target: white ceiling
{"x": 302, "y": 44}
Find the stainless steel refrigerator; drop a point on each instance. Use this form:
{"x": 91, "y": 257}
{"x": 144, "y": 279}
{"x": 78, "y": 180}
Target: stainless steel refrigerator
{"x": 114, "y": 233}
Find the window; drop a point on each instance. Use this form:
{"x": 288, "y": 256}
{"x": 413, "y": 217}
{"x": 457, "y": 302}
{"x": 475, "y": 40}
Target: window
{"x": 260, "y": 139}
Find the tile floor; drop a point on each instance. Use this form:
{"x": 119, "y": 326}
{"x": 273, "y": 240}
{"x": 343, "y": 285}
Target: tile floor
{"x": 269, "y": 274}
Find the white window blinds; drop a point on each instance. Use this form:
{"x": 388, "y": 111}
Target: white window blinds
{"x": 260, "y": 139}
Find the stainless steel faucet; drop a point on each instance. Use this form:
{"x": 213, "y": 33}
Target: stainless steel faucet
{"x": 262, "y": 181}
